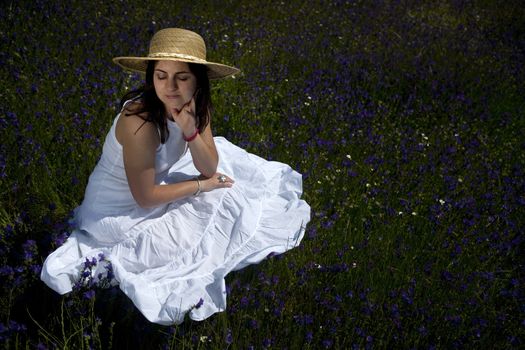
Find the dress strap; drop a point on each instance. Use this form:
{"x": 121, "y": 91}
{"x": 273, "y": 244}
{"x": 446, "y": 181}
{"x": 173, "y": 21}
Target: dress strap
{"x": 131, "y": 100}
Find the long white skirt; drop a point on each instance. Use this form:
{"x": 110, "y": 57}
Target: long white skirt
{"x": 176, "y": 255}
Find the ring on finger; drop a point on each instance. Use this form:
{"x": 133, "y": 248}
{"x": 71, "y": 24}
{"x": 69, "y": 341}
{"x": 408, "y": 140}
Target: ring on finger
{"x": 221, "y": 178}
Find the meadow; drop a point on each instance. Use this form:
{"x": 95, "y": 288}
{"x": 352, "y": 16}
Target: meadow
{"x": 406, "y": 119}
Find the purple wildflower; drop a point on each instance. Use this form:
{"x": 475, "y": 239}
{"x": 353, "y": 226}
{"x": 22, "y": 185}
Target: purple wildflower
{"x": 229, "y": 338}
{"x": 90, "y": 294}
{"x": 267, "y": 342}
{"x": 327, "y": 343}
{"x": 30, "y": 249}
{"x": 7, "y": 270}
{"x": 253, "y": 324}
{"x": 309, "y": 337}
{"x": 199, "y": 303}
{"x": 17, "y": 327}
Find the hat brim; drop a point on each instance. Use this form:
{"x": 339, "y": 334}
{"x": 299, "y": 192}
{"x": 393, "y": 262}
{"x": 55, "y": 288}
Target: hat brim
{"x": 139, "y": 64}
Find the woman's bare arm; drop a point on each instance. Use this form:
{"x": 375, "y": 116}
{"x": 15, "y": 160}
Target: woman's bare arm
{"x": 202, "y": 148}
{"x": 139, "y": 142}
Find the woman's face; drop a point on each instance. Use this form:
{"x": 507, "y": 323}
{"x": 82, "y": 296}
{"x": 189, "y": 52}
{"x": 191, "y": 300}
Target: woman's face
{"x": 174, "y": 83}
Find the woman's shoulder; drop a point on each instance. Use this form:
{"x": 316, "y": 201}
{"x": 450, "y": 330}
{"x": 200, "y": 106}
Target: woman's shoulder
{"x": 134, "y": 123}
{"x": 135, "y": 106}
{"x": 134, "y": 112}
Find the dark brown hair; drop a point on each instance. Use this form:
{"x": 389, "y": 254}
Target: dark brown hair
{"x": 151, "y": 109}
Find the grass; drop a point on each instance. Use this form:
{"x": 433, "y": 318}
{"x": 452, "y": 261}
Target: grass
{"x": 405, "y": 119}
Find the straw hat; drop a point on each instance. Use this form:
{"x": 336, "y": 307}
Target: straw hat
{"x": 175, "y": 44}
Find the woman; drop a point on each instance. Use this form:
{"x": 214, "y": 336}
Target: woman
{"x": 162, "y": 204}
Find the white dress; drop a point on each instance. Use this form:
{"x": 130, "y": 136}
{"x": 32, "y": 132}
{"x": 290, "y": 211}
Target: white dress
{"x": 173, "y": 257}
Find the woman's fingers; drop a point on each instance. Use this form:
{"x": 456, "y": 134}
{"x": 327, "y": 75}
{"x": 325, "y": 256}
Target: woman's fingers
{"x": 218, "y": 180}
{"x": 185, "y": 117}
{"x": 226, "y": 181}
{"x": 191, "y": 105}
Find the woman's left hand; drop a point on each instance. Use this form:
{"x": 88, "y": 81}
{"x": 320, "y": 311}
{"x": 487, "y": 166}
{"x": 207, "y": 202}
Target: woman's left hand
{"x": 218, "y": 180}
{"x": 185, "y": 117}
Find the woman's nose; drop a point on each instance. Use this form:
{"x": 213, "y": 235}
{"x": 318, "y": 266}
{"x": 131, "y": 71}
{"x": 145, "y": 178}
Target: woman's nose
{"x": 172, "y": 84}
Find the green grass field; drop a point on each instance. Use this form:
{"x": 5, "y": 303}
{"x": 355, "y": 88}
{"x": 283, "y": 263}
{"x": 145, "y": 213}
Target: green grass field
{"x": 406, "y": 119}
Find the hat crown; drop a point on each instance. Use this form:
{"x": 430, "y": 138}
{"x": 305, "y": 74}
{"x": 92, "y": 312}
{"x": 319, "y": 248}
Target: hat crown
{"x": 177, "y": 42}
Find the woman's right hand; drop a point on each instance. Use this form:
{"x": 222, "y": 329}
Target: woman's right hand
{"x": 214, "y": 182}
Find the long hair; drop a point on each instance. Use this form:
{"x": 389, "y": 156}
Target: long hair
{"x": 151, "y": 108}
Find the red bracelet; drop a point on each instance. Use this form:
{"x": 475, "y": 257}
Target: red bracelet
{"x": 192, "y": 137}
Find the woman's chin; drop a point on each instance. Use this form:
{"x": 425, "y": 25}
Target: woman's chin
{"x": 170, "y": 106}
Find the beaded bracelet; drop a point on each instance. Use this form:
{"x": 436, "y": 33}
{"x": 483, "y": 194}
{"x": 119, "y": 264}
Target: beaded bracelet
{"x": 192, "y": 137}
{"x": 199, "y": 187}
